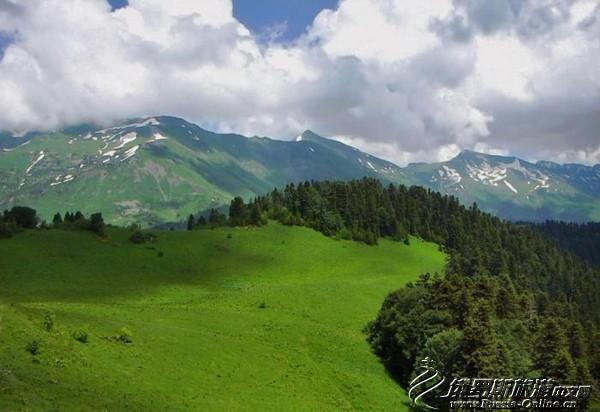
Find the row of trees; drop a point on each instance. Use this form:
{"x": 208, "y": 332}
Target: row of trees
{"x": 95, "y": 223}
{"x": 21, "y": 217}
{"x": 240, "y": 214}
{"x": 511, "y": 302}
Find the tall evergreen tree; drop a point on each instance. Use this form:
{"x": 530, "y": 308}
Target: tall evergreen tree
{"x": 551, "y": 352}
{"x": 97, "y": 223}
{"x": 190, "y": 222}
{"x": 237, "y": 212}
{"x": 57, "y": 219}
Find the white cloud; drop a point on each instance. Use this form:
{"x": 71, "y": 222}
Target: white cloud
{"x": 405, "y": 79}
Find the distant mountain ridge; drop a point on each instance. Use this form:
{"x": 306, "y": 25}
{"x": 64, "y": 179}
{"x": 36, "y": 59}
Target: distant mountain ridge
{"x": 516, "y": 189}
{"x": 160, "y": 169}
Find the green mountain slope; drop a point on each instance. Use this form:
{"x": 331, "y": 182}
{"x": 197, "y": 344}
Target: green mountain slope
{"x": 202, "y": 337}
{"x": 161, "y": 169}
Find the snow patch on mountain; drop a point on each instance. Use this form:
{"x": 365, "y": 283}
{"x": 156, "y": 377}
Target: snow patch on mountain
{"x": 156, "y": 137}
{"x": 35, "y": 162}
{"x": 128, "y": 138}
{"x": 486, "y": 174}
{"x": 511, "y": 187}
{"x": 130, "y": 152}
{"x": 60, "y": 179}
{"x": 16, "y": 147}
{"x": 148, "y": 122}
{"x": 449, "y": 174}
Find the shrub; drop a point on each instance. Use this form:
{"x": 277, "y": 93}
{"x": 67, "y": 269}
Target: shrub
{"x": 344, "y": 233}
{"x": 140, "y": 237}
{"x": 262, "y": 305}
{"x": 124, "y": 336}
{"x": 33, "y": 347}
{"x": 137, "y": 237}
{"x": 8, "y": 229}
{"x": 97, "y": 224}
{"x": 49, "y": 321}
{"x": 24, "y": 217}
{"x": 80, "y": 335}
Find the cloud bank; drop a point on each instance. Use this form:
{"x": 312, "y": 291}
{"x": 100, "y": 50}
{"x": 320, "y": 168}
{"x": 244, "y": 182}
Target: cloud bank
{"x": 404, "y": 79}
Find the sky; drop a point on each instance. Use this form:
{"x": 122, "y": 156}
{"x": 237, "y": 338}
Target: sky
{"x": 406, "y": 80}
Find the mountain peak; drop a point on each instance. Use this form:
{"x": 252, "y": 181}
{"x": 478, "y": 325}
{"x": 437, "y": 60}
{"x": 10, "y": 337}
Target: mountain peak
{"x": 308, "y": 135}
{"x": 467, "y": 154}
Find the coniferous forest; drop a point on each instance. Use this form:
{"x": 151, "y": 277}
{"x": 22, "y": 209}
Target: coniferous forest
{"x": 582, "y": 239}
{"x": 510, "y": 303}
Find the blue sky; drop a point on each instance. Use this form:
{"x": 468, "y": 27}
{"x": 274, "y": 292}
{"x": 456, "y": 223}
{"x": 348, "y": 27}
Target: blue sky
{"x": 117, "y": 3}
{"x": 261, "y": 16}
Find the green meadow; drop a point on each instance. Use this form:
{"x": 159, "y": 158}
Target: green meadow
{"x": 228, "y": 319}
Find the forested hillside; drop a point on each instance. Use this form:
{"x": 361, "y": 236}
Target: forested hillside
{"x": 581, "y": 239}
{"x": 510, "y": 302}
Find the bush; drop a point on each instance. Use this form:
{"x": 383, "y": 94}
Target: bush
{"x": 97, "y": 224}
{"x": 8, "y": 229}
{"x": 262, "y": 305}
{"x": 33, "y": 347}
{"x": 80, "y": 335}
{"x": 124, "y": 336}
{"x": 24, "y": 217}
{"x": 139, "y": 237}
{"x": 49, "y": 321}
{"x": 344, "y": 233}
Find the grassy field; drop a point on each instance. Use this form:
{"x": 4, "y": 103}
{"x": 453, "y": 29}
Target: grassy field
{"x": 226, "y": 319}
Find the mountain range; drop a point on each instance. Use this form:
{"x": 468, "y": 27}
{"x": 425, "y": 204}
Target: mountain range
{"x": 161, "y": 169}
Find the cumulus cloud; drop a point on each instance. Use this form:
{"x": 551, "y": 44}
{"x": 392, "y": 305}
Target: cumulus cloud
{"x": 404, "y": 79}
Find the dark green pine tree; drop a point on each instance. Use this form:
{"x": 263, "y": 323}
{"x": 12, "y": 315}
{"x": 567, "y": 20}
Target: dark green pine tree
{"x": 216, "y": 218}
{"x": 97, "y": 224}
{"x": 551, "y": 351}
{"x": 256, "y": 217}
{"x": 190, "y": 222}
{"x": 484, "y": 354}
{"x": 237, "y": 212}
{"x": 57, "y": 219}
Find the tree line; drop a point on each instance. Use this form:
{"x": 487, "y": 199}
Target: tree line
{"x": 19, "y": 218}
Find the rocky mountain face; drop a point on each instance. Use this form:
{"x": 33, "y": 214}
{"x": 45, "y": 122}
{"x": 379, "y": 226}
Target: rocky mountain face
{"x": 161, "y": 169}
{"x": 515, "y": 189}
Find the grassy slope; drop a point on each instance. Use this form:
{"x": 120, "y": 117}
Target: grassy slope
{"x": 200, "y": 341}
